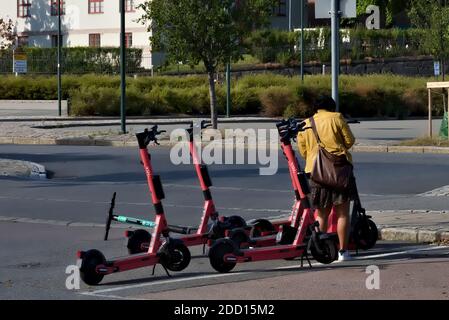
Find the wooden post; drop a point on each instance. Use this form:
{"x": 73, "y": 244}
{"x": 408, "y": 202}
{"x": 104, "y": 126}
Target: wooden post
{"x": 430, "y": 112}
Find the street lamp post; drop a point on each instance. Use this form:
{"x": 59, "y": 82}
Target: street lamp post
{"x": 335, "y": 22}
{"x": 59, "y": 59}
{"x": 302, "y": 39}
{"x": 122, "y": 68}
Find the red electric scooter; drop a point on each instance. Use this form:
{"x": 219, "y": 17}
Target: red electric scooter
{"x": 171, "y": 253}
{"x": 225, "y": 253}
{"x": 138, "y": 240}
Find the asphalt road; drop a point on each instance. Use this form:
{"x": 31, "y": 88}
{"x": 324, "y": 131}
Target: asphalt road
{"x": 84, "y": 178}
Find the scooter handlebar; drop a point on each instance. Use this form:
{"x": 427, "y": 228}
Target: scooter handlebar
{"x": 144, "y": 138}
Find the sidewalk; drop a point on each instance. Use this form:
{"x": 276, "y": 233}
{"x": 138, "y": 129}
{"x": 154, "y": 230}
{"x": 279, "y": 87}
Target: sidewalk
{"x": 371, "y": 136}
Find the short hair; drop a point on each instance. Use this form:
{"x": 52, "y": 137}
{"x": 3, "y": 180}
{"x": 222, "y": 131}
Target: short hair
{"x": 325, "y": 102}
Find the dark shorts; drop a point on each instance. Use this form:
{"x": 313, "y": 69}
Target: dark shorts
{"x": 323, "y": 197}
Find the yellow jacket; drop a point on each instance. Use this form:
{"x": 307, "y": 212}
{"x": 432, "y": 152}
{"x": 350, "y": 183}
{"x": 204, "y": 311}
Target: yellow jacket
{"x": 334, "y": 133}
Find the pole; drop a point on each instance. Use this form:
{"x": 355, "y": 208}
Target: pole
{"x": 59, "y": 59}
{"x": 335, "y": 22}
{"x": 228, "y": 90}
{"x": 448, "y": 114}
{"x": 122, "y": 67}
{"x": 429, "y": 92}
{"x": 289, "y": 15}
{"x": 302, "y": 40}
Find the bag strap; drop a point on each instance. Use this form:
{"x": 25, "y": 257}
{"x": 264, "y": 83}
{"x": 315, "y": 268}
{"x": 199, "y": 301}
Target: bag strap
{"x": 315, "y": 131}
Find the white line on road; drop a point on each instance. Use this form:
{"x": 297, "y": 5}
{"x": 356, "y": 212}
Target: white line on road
{"x": 374, "y": 256}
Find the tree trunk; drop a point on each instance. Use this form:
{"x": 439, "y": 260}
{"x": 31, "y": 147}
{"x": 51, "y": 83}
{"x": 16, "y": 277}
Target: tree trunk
{"x": 213, "y": 100}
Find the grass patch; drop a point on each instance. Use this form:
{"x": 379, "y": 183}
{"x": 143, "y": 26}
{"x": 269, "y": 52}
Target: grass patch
{"x": 426, "y": 141}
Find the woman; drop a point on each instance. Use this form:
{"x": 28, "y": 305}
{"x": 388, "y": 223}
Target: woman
{"x": 337, "y": 138}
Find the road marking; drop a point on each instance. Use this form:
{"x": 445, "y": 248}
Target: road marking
{"x": 374, "y": 256}
{"x": 149, "y": 284}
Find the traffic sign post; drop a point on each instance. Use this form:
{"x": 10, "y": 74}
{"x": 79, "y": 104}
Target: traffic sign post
{"x": 20, "y": 63}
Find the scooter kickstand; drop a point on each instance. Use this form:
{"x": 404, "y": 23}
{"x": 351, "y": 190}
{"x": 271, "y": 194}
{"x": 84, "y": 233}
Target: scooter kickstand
{"x": 166, "y": 271}
{"x": 308, "y": 260}
{"x": 154, "y": 268}
{"x": 204, "y": 249}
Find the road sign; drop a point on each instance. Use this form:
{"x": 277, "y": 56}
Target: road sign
{"x": 436, "y": 68}
{"x": 20, "y": 63}
{"x": 348, "y": 9}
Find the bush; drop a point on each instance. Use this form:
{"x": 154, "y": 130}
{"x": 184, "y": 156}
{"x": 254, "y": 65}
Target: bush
{"x": 268, "y": 94}
{"x": 275, "y": 100}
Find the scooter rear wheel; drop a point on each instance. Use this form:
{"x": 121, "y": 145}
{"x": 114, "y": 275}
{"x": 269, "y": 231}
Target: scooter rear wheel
{"x": 178, "y": 257}
{"x": 328, "y": 252}
{"x": 217, "y": 253}
{"x": 136, "y": 240}
{"x": 90, "y": 261}
{"x": 365, "y": 234}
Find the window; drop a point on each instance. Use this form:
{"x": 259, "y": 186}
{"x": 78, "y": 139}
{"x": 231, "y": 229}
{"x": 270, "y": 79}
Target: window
{"x": 129, "y": 6}
{"x": 280, "y": 9}
{"x": 23, "y": 8}
{"x": 54, "y": 40}
{"x": 54, "y": 7}
{"x": 95, "y": 6}
{"x": 22, "y": 41}
{"x": 94, "y": 40}
{"x": 128, "y": 40}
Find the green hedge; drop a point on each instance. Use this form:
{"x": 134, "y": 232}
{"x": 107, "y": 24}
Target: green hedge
{"x": 269, "y": 94}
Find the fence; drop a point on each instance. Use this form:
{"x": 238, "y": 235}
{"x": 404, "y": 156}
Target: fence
{"x": 78, "y": 61}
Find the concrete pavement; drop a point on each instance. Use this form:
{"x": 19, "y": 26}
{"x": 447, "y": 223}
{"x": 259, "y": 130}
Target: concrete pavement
{"x": 372, "y": 136}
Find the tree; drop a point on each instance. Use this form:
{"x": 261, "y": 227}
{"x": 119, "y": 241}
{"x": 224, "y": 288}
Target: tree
{"x": 434, "y": 16}
{"x": 6, "y": 33}
{"x": 208, "y": 31}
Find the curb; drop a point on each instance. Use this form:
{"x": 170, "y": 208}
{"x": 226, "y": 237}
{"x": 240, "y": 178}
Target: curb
{"x": 415, "y": 235}
{"x": 401, "y": 149}
{"x": 81, "y": 141}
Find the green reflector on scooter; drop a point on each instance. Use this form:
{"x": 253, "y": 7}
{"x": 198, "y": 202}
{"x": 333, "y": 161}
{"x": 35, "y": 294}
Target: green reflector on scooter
{"x": 149, "y": 224}
{"x": 122, "y": 219}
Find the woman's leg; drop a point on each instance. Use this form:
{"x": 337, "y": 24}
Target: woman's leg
{"x": 342, "y": 212}
{"x": 323, "y": 217}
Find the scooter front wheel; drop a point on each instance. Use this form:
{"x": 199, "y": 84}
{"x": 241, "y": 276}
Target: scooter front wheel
{"x": 217, "y": 253}
{"x": 88, "y": 273}
{"x": 327, "y": 253}
{"x": 178, "y": 257}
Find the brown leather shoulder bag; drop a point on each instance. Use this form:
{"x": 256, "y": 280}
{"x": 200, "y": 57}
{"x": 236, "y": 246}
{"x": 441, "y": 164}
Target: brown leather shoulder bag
{"x": 330, "y": 170}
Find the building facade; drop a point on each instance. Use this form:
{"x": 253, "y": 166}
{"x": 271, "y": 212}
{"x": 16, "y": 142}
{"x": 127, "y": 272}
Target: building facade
{"x": 83, "y": 23}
